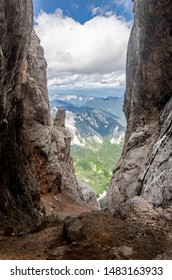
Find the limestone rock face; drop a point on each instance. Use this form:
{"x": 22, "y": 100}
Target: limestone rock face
{"x": 49, "y": 140}
{"x": 19, "y": 195}
{"x": 34, "y": 151}
{"x": 145, "y": 168}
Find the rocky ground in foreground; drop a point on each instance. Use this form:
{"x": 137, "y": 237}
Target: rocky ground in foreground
{"x": 91, "y": 234}
{"x": 35, "y": 151}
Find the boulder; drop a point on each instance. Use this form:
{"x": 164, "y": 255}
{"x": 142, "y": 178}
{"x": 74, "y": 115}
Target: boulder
{"x": 89, "y": 195}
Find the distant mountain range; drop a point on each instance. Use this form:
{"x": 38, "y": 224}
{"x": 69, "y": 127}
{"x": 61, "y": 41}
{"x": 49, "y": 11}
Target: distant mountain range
{"x": 113, "y": 105}
{"x": 97, "y": 126}
{"x": 93, "y": 120}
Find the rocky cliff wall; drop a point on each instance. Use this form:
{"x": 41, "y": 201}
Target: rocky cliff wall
{"x": 48, "y": 139}
{"x": 145, "y": 168}
{"x": 34, "y": 150}
{"x": 19, "y": 195}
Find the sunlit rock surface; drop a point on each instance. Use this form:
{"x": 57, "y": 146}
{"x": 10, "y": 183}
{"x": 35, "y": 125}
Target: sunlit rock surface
{"x": 145, "y": 168}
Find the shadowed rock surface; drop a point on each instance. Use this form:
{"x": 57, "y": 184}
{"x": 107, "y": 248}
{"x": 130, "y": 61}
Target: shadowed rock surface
{"x": 34, "y": 150}
{"x": 94, "y": 236}
{"x": 145, "y": 168}
{"x": 19, "y": 195}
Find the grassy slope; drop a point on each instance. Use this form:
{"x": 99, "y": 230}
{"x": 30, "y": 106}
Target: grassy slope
{"x": 94, "y": 166}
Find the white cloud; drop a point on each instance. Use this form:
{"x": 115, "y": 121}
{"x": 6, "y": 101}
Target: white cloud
{"x": 96, "y": 10}
{"x": 101, "y": 11}
{"x": 88, "y": 55}
{"x": 96, "y": 80}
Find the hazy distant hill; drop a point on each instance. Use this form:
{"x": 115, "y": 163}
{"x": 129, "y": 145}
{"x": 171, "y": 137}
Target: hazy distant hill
{"x": 59, "y": 103}
{"x": 113, "y": 105}
{"x": 76, "y": 100}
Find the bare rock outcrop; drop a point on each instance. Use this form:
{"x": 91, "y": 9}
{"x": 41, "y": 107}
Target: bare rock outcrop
{"x": 49, "y": 140}
{"x": 19, "y": 195}
{"x": 145, "y": 168}
{"x": 34, "y": 150}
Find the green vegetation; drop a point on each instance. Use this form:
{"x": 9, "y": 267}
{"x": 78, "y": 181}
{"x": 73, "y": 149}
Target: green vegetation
{"x": 93, "y": 165}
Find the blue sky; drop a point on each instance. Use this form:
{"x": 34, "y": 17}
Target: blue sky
{"x": 81, "y": 10}
{"x": 85, "y": 42}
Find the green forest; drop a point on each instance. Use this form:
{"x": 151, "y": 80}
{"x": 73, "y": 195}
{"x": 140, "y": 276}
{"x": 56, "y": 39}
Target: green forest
{"x": 94, "y": 165}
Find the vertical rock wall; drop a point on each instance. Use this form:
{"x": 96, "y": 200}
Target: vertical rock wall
{"x": 34, "y": 151}
{"x": 19, "y": 196}
{"x": 49, "y": 141}
{"x": 145, "y": 168}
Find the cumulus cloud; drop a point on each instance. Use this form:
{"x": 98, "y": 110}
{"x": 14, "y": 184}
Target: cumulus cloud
{"x": 86, "y": 55}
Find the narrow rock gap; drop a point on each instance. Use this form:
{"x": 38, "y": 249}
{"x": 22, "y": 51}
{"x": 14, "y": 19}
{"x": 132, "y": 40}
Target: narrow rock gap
{"x": 43, "y": 211}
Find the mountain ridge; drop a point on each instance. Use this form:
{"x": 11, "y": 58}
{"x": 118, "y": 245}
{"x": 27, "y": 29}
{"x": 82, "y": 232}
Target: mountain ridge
{"x": 87, "y": 121}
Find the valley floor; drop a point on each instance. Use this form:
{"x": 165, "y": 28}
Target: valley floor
{"x": 89, "y": 235}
